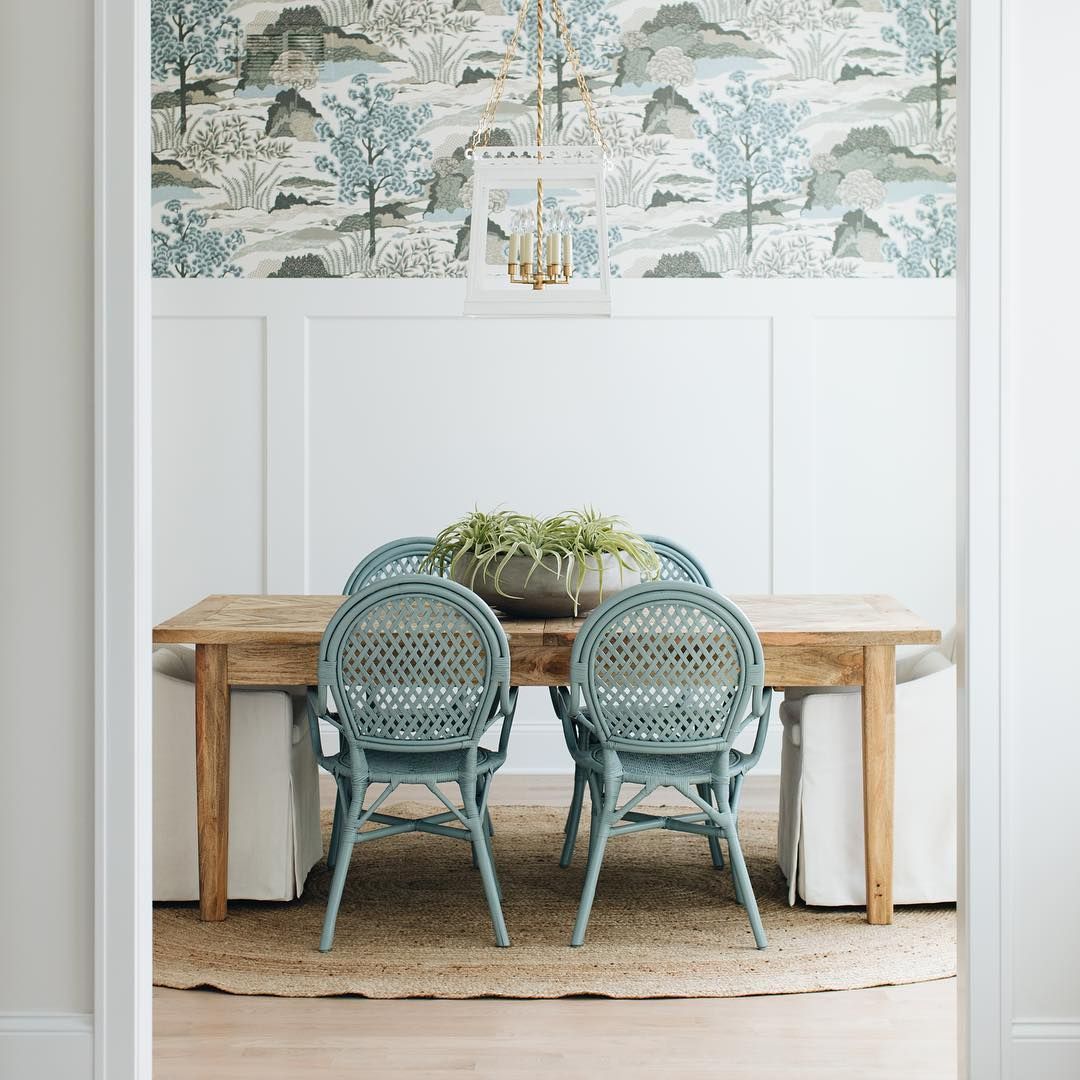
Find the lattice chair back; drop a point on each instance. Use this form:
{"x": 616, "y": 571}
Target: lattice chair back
{"x": 668, "y": 667}
{"x": 415, "y": 663}
{"x": 676, "y": 563}
{"x": 398, "y": 557}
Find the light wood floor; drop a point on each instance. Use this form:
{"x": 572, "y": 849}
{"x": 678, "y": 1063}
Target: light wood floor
{"x": 889, "y": 1033}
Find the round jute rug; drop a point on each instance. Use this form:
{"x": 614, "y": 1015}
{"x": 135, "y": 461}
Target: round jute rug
{"x": 414, "y": 923}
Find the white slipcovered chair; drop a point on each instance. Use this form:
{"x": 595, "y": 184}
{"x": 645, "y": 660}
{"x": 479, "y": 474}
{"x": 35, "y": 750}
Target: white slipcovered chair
{"x": 274, "y": 834}
{"x": 820, "y": 839}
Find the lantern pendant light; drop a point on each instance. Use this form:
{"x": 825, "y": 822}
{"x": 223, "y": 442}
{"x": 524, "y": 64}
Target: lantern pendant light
{"x": 538, "y": 275}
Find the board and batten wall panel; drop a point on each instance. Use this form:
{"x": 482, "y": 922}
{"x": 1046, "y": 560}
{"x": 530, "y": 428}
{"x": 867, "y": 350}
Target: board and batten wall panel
{"x": 209, "y": 429}
{"x": 412, "y": 423}
{"x": 797, "y": 435}
{"x": 884, "y": 460}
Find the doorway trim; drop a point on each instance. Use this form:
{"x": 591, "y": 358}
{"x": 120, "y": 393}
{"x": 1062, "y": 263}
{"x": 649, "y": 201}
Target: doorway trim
{"x": 122, "y": 539}
{"x": 123, "y": 764}
{"x": 983, "y": 954}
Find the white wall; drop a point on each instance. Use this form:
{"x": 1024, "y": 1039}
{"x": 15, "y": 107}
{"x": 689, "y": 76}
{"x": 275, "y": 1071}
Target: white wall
{"x": 797, "y": 435}
{"x": 1041, "y": 572}
{"x": 46, "y": 545}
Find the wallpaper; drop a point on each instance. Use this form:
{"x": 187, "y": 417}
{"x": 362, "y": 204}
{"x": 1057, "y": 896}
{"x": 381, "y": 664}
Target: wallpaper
{"x": 749, "y": 138}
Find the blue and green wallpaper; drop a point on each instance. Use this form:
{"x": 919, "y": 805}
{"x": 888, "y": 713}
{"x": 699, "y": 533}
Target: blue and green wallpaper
{"x": 751, "y": 138}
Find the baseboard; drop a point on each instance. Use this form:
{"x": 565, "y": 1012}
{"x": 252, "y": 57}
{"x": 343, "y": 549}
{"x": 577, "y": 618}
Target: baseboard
{"x": 1045, "y": 1049}
{"x": 46, "y": 1046}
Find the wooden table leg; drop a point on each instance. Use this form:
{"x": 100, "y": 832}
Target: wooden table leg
{"x": 879, "y": 754}
{"x": 212, "y": 778}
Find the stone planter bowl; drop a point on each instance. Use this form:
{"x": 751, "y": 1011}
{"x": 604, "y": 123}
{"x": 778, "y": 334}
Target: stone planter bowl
{"x": 545, "y": 596}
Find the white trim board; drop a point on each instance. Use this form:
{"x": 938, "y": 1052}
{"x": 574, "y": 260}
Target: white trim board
{"x": 634, "y": 298}
{"x": 983, "y": 961}
{"x": 46, "y": 1045}
{"x": 122, "y": 408}
{"x": 1026, "y": 1029}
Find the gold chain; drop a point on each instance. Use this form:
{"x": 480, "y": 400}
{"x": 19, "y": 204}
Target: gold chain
{"x": 583, "y": 87}
{"x": 539, "y": 131}
{"x": 482, "y": 134}
{"x": 487, "y": 117}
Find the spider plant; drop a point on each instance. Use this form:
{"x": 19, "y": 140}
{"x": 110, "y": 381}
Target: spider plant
{"x": 568, "y": 545}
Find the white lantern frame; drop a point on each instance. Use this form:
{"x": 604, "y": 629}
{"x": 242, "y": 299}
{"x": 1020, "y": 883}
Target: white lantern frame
{"x": 551, "y": 289}
{"x": 521, "y": 166}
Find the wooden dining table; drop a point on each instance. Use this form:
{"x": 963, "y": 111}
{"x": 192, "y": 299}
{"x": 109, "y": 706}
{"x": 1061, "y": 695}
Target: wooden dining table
{"x": 808, "y": 640}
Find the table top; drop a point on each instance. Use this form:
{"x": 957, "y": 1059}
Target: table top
{"x": 793, "y": 619}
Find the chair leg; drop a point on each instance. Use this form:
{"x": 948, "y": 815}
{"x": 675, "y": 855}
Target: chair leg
{"x": 489, "y": 831}
{"x": 337, "y": 887}
{"x": 575, "y": 800}
{"x": 735, "y": 790}
{"x": 596, "y": 797}
{"x": 573, "y": 819}
{"x": 485, "y": 862}
{"x": 481, "y": 801}
{"x": 346, "y": 818}
{"x": 744, "y": 886}
{"x": 714, "y": 843}
{"x": 491, "y": 859}
{"x": 736, "y": 793}
{"x": 335, "y": 832}
{"x": 597, "y": 844}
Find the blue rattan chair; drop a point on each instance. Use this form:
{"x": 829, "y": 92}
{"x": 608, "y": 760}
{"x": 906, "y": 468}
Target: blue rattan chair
{"x": 663, "y": 677}
{"x": 391, "y": 560}
{"x": 676, "y": 564}
{"x": 418, "y": 669}
{"x": 399, "y": 557}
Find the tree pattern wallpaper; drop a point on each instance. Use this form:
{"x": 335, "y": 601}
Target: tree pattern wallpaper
{"x": 749, "y": 138}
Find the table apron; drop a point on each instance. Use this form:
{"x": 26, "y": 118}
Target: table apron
{"x": 273, "y": 665}
{"x": 544, "y": 665}
{"x": 813, "y": 665}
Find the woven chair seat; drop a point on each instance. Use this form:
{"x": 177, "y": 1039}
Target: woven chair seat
{"x": 681, "y": 768}
{"x": 405, "y": 766}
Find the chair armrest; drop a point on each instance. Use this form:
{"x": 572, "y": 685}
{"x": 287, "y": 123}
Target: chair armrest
{"x": 751, "y": 759}
{"x": 576, "y": 727}
{"x": 315, "y": 714}
{"x": 509, "y": 707}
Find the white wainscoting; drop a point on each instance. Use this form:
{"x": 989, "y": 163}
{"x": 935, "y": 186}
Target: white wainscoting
{"x": 799, "y": 436}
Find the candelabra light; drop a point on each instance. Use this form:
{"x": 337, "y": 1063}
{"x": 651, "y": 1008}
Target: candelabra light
{"x": 540, "y": 251}
{"x": 527, "y": 244}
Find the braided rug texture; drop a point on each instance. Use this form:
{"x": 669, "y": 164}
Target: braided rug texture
{"x": 413, "y": 923}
